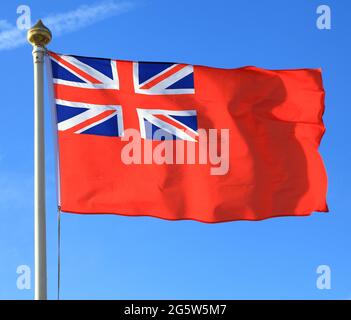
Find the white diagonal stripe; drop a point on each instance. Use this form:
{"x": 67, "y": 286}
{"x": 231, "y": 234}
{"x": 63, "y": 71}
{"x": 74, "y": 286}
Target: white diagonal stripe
{"x": 110, "y": 84}
{"x": 96, "y": 123}
{"x": 170, "y": 113}
{"x": 164, "y": 126}
{"x": 157, "y": 75}
{"x": 87, "y": 69}
{"x": 70, "y": 70}
{"x": 177, "y": 121}
{"x": 173, "y": 78}
{"x": 79, "y": 118}
{"x": 152, "y": 91}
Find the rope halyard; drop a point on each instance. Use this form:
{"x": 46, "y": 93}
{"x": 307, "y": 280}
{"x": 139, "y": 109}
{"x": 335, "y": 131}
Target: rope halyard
{"x": 58, "y": 251}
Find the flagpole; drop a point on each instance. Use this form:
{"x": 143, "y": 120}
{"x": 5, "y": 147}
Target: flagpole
{"x": 39, "y": 36}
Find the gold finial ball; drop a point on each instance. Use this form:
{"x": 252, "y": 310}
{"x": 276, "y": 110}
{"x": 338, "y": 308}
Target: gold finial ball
{"x": 39, "y": 35}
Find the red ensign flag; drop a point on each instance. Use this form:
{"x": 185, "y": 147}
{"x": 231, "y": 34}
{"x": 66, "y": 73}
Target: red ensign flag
{"x": 177, "y": 141}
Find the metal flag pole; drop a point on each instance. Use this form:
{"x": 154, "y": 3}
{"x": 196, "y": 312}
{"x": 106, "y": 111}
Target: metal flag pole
{"x": 39, "y": 36}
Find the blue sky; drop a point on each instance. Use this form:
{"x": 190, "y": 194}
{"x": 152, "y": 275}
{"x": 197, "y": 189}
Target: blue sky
{"x": 115, "y": 257}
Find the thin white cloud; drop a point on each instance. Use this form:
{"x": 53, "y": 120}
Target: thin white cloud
{"x": 11, "y": 37}
{"x": 84, "y": 16}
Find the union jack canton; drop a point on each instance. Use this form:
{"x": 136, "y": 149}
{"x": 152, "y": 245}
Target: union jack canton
{"x": 102, "y": 97}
